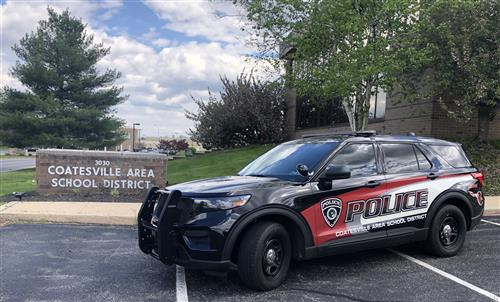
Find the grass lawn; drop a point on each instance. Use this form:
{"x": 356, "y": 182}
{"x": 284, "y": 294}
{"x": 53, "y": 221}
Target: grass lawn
{"x": 217, "y": 163}
{"x": 17, "y": 181}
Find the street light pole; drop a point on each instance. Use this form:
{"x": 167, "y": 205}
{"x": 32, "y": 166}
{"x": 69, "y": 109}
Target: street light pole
{"x": 133, "y": 136}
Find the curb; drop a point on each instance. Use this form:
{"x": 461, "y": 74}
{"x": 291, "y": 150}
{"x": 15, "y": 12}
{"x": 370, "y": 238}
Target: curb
{"x": 76, "y": 219}
{"x": 70, "y": 212}
{"x": 492, "y": 204}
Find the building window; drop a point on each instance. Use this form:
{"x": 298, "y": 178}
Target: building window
{"x": 377, "y": 105}
{"x": 314, "y": 112}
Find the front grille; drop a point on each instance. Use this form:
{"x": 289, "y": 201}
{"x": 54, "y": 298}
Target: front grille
{"x": 158, "y": 221}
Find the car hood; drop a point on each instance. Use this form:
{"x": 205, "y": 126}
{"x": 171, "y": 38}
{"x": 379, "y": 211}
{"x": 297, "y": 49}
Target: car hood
{"x": 228, "y": 185}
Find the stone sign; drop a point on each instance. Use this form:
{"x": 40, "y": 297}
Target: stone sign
{"x": 97, "y": 172}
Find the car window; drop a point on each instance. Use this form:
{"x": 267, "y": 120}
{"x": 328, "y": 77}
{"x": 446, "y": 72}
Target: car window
{"x": 399, "y": 158}
{"x": 282, "y": 160}
{"x": 454, "y": 155}
{"x": 359, "y": 158}
{"x": 423, "y": 162}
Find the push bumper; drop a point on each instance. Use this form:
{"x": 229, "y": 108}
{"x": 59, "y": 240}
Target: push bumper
{"x": 160, "y": 234}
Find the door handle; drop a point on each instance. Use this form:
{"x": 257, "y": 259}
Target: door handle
{"x": 372, "y": 183}
{"x": 432, "y": 175}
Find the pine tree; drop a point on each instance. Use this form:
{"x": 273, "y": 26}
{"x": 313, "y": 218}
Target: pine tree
{"x": 68, "y": 102}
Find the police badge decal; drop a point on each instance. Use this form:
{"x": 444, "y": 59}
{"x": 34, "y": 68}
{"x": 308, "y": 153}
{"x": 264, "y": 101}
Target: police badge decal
{"x": 331, "y": 209}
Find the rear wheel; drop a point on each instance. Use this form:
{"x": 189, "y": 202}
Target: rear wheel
{"x": 264, "y": 256}
{"x": 447, "y": 233}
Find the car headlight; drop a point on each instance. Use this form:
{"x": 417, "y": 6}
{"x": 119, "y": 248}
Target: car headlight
{"x": 220, "y": 203}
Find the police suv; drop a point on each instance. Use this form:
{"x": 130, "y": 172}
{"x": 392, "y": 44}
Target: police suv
{"x": 315, "y": 197}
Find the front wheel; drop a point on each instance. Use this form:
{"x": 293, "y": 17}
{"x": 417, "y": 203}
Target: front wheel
{"x": 264, "y": 256}
{"x": 447, "y": 232}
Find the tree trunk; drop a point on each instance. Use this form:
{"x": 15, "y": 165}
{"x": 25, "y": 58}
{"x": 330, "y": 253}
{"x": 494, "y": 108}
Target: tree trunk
{"x": 350, "y": 113}
{"x": 366, "y": 103}
{"x": 484, "y": 116}
{"x": 358, "y": 107}
{"x": 363, "y": 106}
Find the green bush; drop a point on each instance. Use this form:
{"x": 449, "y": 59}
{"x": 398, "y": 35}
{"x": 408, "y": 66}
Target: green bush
{"x": 486, "y": 157}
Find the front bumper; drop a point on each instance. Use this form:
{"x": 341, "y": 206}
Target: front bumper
{"x": 163, "y": 235}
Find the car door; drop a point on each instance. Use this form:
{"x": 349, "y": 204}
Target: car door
{"x": 409, "y": 175}
{"x": 338, "y": 210}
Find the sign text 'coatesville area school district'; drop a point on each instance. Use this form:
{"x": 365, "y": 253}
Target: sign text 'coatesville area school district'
{"x": 74, "y": 171}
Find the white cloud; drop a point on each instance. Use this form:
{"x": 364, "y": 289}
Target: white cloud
{"x": 160, "y": 84}
{"x": 19, "y": 18}
{"x": 159, "y": 75}
{"x": 160, "y": 42}
{"x": 215, "y": 21}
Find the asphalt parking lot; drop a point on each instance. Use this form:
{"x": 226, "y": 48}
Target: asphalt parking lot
{"x": 103, "y": 263}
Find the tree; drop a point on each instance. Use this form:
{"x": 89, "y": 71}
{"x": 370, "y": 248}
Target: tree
{"x": 462, "y": 39}
{"x": 173, "y": 144}
{"x": 248, "y": 112}
{"x": 344, "y": 48}
{"x": 67, "y": 102}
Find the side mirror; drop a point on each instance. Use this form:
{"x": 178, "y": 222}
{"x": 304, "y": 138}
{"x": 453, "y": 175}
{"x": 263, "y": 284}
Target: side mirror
{"x": 303, "y": 170}
{"x": 332, "y": 173}
{"x": 336, "y": 172}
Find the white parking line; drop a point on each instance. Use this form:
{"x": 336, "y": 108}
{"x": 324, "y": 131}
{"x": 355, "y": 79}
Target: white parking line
{"x": 449, "y": 276}
{"x": 180, "y": 284}
{"x": 490, "y": 222}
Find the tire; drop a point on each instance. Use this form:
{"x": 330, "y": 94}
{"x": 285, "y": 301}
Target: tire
{"x": 270, "y": 239}
{"x": 447, "y": 232}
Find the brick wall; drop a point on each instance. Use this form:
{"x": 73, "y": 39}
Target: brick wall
{"x": 402, "y": 116}
{"x": 446, "y": 127}
{"x": 495, "y": 126}
{"x": 424, "y": 117}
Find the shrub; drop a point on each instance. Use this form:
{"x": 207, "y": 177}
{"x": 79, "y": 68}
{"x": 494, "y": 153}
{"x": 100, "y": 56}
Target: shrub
{"x": 173, "y": 144}
{"x": 485, "y": 155}
{"x": 248, "y": 111}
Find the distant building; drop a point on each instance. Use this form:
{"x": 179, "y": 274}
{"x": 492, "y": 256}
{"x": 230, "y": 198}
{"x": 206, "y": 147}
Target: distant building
{"x": 127, "y": 144}
{"x": 388, "y": 115}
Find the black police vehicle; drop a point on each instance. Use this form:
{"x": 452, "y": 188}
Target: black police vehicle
{"x": 314, "y": 197}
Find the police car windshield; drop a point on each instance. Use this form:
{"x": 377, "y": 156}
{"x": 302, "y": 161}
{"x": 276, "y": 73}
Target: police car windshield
{"x": 281, "y": 161}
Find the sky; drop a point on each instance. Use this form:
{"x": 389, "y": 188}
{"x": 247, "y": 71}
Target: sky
{"x": 167, "y": 51}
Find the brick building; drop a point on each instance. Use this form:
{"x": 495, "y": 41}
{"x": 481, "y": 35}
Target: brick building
{"x": 388, "y": 115}
{"x": 130, "y": 134}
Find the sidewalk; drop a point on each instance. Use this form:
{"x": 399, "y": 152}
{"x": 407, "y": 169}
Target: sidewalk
{"x": 492, "y": 205}
{"x": 118, "y": 213}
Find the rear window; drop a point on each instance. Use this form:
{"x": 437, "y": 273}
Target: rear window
{"x": 453, "y": 155}
{"x": 400, "y": 158}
